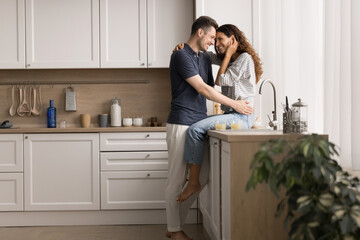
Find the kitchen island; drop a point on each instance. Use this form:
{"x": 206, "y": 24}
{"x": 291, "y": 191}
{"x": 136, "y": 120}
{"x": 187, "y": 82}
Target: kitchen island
{"x": 231, "y": 212}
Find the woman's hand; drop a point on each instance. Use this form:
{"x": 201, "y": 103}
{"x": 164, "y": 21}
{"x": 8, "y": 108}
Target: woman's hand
{"x": 178, "y": 47}
{"x": 242, "y": 106}
{"x": 231, "y": 50}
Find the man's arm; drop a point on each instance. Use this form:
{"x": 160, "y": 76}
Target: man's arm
{"x": 210, "y": 93}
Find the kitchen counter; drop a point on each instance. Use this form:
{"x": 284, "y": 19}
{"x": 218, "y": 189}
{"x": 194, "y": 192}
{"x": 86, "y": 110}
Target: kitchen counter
{"x": 81, "y": 130}
{"x": 251, "y": 135}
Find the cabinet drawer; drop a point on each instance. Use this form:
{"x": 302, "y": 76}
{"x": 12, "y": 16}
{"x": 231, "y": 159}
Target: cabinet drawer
{"x": 112, "y": 161}
{"x": 11, "y": 192}
{"x": 139, "y": 141}
{"x": 133, "y": 190}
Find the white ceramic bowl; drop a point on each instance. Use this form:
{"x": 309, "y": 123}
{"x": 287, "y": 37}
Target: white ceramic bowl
{"x": 138, "y": 121}
{"x": 127, "y": 122}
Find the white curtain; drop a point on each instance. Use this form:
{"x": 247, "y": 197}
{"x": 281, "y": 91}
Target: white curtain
{"x": 310, "y": 49}
{"x": 290, "y": 47}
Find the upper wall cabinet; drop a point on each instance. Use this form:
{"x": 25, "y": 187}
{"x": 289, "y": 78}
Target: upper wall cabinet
{"x": 12, "y": 34}
{"x": 62, "y": 34}
{"x": 141, "y": 34}
{"x": 123, "y": 33}
{"x": 66, "y": 33}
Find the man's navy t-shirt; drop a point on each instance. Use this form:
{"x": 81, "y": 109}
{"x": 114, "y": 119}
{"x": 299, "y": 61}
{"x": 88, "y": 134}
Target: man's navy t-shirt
{"x": 187, "y": 105}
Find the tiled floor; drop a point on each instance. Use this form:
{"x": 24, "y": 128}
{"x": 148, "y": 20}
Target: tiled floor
{"x": 131, "y": 232}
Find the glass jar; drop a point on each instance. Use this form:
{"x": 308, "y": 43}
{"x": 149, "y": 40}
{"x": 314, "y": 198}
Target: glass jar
{"x": 299, "y": 117}
{"x": 115, "y": 113}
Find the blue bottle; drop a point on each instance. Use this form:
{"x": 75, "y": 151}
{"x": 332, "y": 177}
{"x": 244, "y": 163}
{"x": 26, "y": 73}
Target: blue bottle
{"x": 51, "y": 115}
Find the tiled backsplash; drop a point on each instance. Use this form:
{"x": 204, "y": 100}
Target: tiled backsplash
{"x": 150, "y": 99}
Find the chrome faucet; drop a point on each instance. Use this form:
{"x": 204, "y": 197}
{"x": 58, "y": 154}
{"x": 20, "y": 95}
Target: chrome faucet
{"x": 274, "y": 121}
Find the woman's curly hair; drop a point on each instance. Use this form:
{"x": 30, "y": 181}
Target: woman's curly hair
{"x": 244, "y": 46}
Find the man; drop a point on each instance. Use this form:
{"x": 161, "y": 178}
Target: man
{"x": 191, "y": 83}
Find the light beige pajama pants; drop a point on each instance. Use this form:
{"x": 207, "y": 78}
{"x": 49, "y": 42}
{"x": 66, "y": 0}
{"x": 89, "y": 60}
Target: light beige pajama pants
{"x": 176, "y": 212}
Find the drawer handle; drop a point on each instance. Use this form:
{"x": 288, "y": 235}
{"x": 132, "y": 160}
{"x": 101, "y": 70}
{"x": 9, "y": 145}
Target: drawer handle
{"x": 148, "y": 175}
{"x": 147, "y": 156}
{"x": 147, "y": 135}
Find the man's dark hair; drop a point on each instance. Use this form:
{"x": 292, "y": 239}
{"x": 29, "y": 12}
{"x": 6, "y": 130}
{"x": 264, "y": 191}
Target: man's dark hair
{"x": 203, "y": 22}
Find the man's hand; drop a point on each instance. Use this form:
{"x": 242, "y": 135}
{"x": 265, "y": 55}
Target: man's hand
{"x": 242, "y": 106}
{"x": 178, "y": 47}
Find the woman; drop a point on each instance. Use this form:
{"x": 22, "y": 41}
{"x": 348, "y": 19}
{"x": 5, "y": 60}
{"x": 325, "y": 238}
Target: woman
{"x": 240, "y": 70}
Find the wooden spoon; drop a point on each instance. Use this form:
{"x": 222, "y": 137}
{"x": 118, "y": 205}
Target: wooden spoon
{"x": 34, "y": 111}
{"x": 12, "y": 110}
{"x": 20, "y": 103}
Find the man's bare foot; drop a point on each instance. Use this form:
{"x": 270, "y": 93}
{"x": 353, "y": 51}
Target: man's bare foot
{"x": 179, "y": 236}
{"x": 168, "y": 234}
{"x": 189, "y": 190}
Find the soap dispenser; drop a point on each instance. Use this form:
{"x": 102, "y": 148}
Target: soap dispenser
{"x": 51, "y": 115}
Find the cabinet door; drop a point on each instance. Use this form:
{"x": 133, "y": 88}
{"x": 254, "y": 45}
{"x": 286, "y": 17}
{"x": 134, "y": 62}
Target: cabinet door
{"x": 11, "y": 149}
{"x": 215, "y": 186}
{"x": 169, "y": 23}
{"x": 61, "y": 171}
{"x": 123, "y": 34}
{"x": 133, "y": 190}
{"x": 62, "y": 33}
{"x": 225, "y": 191}
{"x": 12, "y": 32}
{"x": 11, "y": 192}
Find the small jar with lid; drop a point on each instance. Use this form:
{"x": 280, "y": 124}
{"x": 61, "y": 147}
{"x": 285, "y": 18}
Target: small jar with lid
{"x": 115, "y": 113}
{"x": 299, "y": 116}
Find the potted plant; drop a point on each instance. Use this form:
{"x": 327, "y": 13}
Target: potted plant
{"x": 320, "y": 199}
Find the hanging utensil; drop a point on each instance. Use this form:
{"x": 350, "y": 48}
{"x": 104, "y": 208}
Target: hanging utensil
{"x": 12, "y": 110}
{"x": 34, "y": 109}
{"x": 20, "y": 102}
{"x": 40, "y": 109}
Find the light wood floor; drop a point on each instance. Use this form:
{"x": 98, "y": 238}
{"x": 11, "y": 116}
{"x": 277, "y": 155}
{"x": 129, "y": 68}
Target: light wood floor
{"x": 130, "y": 232}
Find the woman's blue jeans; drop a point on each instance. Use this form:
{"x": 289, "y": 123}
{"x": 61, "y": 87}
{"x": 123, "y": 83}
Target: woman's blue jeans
{"x": 196, "y": 133}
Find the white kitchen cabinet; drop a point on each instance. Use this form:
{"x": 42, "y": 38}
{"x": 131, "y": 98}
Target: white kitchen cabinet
{"x": 11, "y": 149}
{"x": 133, "y": 189}
{"x": 133, "y": 170}
{"x": 11, "y": 192}
{"x": 61, "y": 171}
{"x": 12, "y": 32}
{"x": 141, "y": 34}
{"x": 209, "y": 198}
{"x": 123, "y": 35}
{"x": 11, "y": 172}
{"x": 169, "y": 23}
{"x": 62, "y": 34}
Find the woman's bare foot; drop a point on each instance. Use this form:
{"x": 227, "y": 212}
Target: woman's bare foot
{"x": 179, "y": 236}
{"x": 189, "y": 190}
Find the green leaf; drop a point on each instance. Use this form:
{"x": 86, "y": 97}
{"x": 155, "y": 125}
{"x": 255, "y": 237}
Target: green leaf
{"x": 280, "y": 207}
{"x": 345, "y": 224}
{"x": 302, "y": 199}
{"x": 306, "y": 149}
{"x": 326, "y": 199}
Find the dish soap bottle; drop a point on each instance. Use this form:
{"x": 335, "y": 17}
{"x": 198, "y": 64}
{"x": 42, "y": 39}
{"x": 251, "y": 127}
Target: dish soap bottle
{"x": 51, "y": 115}
{"x": 115, "y": 113}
